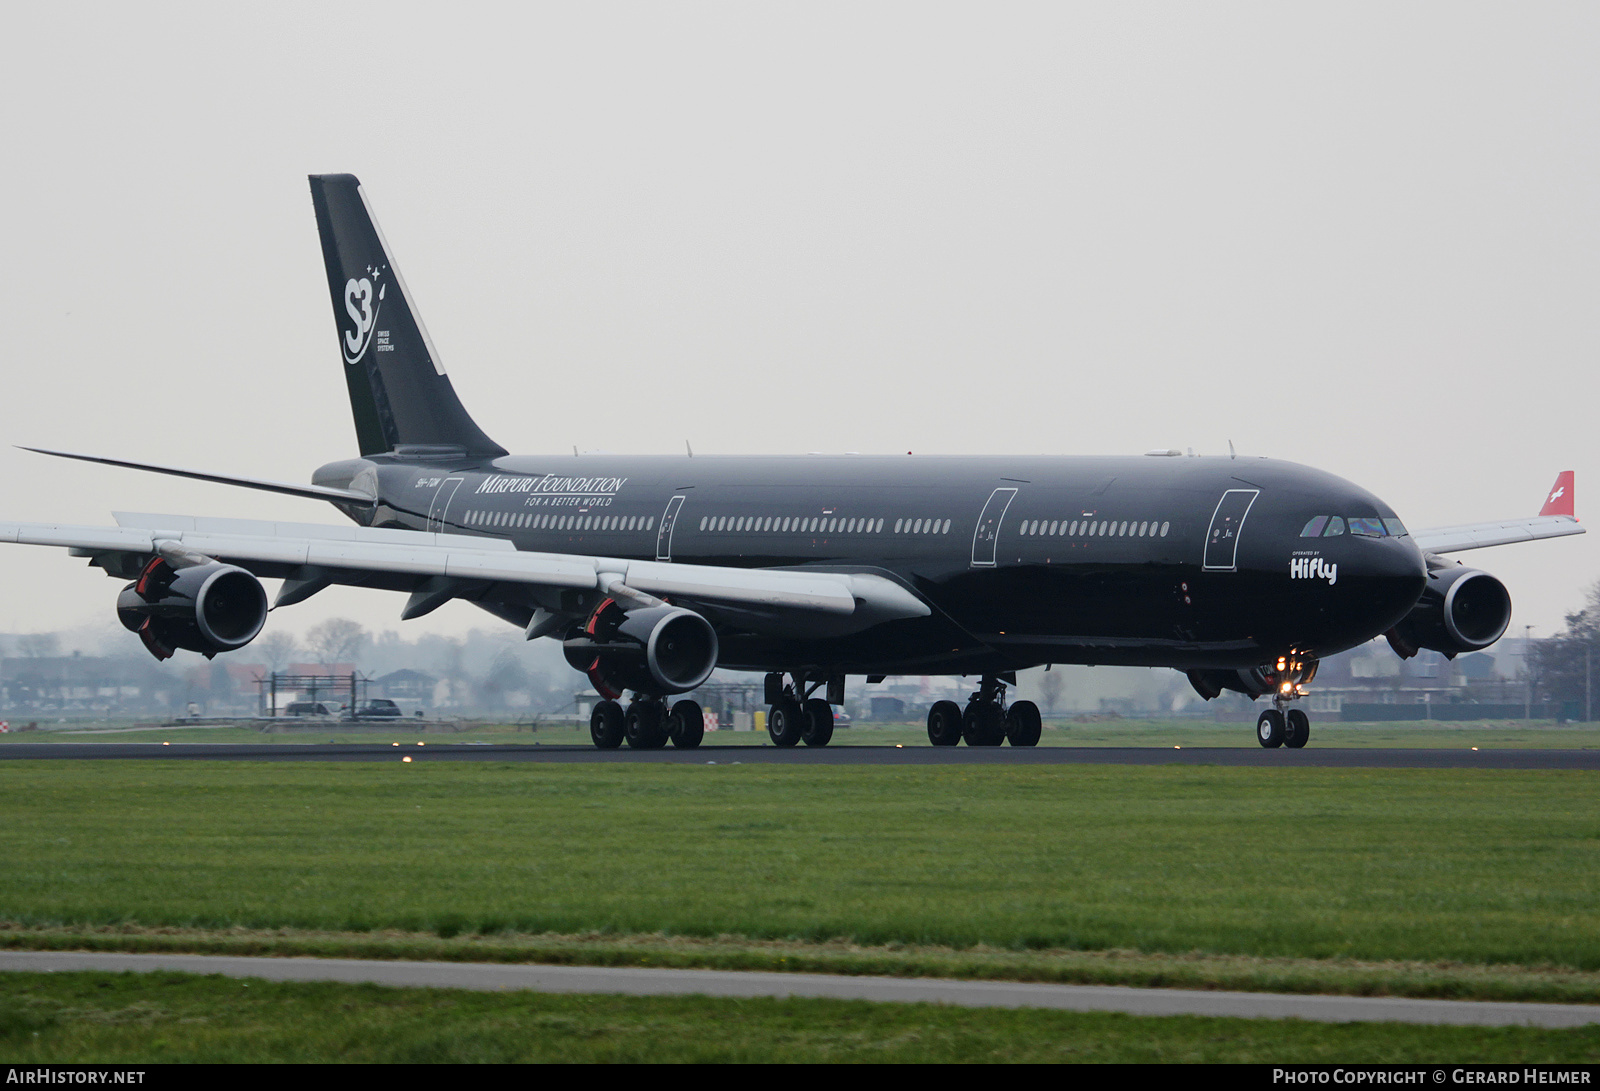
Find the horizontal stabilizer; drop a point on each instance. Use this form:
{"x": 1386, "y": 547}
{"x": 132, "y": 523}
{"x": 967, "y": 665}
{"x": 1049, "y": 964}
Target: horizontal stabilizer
{"x": 288, "y": 488}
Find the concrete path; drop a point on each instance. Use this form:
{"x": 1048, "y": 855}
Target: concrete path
{"x": 976, "y": 994}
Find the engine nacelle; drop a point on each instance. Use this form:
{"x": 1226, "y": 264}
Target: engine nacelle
{"x": 205, "y": 608}
{"x": 660, "y": 650}
{"x": 1461, "y": 610}
{"x": 1211, "y": 683}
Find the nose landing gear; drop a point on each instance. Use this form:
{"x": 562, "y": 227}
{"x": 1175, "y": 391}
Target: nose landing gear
{"x": 1292, "y": 728}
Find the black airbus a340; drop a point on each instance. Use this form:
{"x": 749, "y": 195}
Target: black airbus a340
{"x": 653, "y": 571}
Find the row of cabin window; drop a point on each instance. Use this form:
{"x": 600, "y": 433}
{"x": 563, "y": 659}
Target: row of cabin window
{"x": 548, "y": 521}
{"x": 1091, "y": 528}
{"x": 818, "y": 524}
{"x": 799, "y": 525}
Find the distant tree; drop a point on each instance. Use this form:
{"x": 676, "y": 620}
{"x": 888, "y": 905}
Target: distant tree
{"x": 337, "y": 640}
{"x": 506, "y": 676}
{"x": 1050, "y": 690}
{"x": 451, "y": 664}
{"x": 276, "y": 649}
{"x": 39, "y": 645}
{"x": 1565, "y": 668}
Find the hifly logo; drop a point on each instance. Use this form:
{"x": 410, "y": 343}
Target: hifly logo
{"x": 362, "y": 306}
{"x": 1313, "y": 568}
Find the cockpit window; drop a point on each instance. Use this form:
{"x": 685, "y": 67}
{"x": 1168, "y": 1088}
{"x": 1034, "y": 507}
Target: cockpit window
{"x": 1329, "y": 526}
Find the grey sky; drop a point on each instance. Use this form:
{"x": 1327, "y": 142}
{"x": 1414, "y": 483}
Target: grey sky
{"x": 1359, "y": 236}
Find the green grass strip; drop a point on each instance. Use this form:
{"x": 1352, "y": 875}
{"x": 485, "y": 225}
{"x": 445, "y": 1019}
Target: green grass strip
{"x": 1451, "y": 981}
{"x": 131, "y": 1019}
{"x": 1480, "y": 867}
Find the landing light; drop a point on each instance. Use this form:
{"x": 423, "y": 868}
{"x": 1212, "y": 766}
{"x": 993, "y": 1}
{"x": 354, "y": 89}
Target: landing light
{"x": 406, "y": 758}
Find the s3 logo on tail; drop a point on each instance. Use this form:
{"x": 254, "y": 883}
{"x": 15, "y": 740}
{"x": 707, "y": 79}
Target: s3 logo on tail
{"x": 363, "y": 309}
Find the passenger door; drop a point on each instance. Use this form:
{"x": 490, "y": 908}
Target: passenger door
{"x": 986, "y": 539}
{"x": 1222, "y": 537}
{"x": 664, "y": 534}
{"x": 441, "y": 502}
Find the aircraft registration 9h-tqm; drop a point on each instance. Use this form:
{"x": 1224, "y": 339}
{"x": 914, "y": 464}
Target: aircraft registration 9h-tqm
{"x": 653, "y": 571}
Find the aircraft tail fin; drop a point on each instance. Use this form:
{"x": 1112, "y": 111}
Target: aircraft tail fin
{"x": 1560, "y": 500}
{"x": 399, "y": 393}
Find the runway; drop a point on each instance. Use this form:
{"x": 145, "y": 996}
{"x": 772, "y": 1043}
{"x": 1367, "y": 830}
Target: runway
{"x": 1248, "y": 757}
{"x": 498, "y": 977}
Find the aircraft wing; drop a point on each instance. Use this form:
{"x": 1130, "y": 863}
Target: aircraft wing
{"x": 288, "y": 488}
{"x": 1555, "y": 520}
{"x": 406, "y": 560}
{"x": 1478, "y": 535}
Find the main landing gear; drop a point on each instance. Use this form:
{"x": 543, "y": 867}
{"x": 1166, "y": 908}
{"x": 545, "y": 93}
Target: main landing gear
{"x": 797, "y": 717}
{"x": 647, "y": 724}
{"x": 987, "y": 720}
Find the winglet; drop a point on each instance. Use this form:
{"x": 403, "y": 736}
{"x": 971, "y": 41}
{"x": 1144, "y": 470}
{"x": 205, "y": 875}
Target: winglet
{"x": 1559, "y": 502}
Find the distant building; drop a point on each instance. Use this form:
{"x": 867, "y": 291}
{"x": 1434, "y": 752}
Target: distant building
{"x": 405, "y": 685}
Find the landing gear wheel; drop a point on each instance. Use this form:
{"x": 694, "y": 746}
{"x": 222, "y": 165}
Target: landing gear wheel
{"x": 944, "y": 723}
{"x": 1297, "y": 729}
{"x": 686, "y": 725}
{"x": 643, "y": 726}
{"x": 1023, "y": 724}
{"x": 983, "y": 724}
{"x": 785, "y": 722}
{"x": 1270, "y": 729}
{"x": 605, "y": 725}
{"x": 818, "y": 727}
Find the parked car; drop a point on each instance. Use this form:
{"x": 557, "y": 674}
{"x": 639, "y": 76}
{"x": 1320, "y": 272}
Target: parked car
{"x": 308, "y": 710}
{"x": 379, "y": 708}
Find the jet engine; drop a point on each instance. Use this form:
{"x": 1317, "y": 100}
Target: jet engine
{"x": 1461, "y": 610}
{"x": 206, "y": 608}
{"x": 660, "y": 649}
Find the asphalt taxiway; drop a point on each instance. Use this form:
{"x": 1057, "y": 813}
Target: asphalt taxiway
{"x": 1249, "y": 757}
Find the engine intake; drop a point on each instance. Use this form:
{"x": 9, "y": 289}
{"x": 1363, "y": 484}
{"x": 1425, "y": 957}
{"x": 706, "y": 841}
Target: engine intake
{"x": 206, "y": 608}
{"x": 659, "y": 650}
{"x": 1461, "y": 610}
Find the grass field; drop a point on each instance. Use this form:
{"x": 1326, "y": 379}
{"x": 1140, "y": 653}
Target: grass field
{"x": 1469, "y": 883}
{"x": 1464, "y": 865}
{"x": 1494, "y": 734}
{"x": 151, "y": 1018}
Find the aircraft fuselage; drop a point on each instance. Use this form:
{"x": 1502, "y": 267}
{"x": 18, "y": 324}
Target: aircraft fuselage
{"x": 1147, "y": 561}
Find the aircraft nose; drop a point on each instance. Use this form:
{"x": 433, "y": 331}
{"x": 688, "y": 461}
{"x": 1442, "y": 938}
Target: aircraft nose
{"x": 1393, "y": 573}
